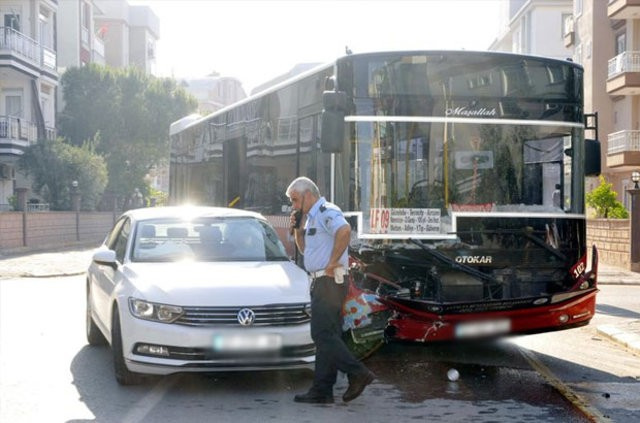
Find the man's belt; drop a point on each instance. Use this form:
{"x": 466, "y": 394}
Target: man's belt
{"x": 317, "y": 274}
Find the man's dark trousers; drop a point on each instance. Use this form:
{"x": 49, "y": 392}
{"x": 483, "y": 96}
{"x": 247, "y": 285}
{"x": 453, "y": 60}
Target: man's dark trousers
{"x": 332, "y": 354}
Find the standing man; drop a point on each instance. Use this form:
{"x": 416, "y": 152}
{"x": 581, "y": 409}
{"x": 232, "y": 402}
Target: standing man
{"x": 323, "y": 240}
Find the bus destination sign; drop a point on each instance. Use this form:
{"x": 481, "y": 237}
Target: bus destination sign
{"x": 404, "y": 221}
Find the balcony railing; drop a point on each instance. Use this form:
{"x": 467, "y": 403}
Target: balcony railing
{"x": 17, "y": 129}
{"x": 629, "y": 61}
{"x": 623, "y": 141}
{"x": 27, "y": 48}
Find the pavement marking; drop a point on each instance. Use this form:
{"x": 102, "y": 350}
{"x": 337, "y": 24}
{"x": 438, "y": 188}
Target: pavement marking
{"x": 592, "y": 413}
{"x": 141, "y": 409}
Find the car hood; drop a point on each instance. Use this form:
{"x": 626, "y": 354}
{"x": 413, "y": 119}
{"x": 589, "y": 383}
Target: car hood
{"x": 218, "y": 284}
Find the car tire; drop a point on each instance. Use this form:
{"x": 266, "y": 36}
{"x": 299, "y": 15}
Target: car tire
{"x": 122, "y": 373}
{"x": 94, "y": 335}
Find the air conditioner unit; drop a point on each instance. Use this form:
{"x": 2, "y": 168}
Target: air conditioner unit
{"x": 6, "y": 172}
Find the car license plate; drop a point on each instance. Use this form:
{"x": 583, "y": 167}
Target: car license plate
{"x": 483, "y": 328}
{"x": 238, "y": 342}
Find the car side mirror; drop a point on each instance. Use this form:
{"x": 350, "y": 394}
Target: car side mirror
{"x": 106, "y": 258}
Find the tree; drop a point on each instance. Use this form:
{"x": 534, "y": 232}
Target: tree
{"x": 131, "y": 112}
{"x": 603, "y": 200}
{"x": 54, "y": 165}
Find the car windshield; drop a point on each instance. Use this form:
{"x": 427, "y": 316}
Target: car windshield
{"x": 206, "y": 239}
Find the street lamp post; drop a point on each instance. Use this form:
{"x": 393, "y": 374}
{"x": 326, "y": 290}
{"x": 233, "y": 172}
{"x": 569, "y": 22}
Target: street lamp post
{"x": 75, "y": 196}
{"x": 635, "y": 221}
{"x": 75, "y": 205}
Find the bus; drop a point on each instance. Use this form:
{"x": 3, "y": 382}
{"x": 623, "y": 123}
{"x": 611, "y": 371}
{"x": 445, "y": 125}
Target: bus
{"x": 461, "y": 173}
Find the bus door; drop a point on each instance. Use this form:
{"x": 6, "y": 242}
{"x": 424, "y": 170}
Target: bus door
{"x": 235, "y": 154}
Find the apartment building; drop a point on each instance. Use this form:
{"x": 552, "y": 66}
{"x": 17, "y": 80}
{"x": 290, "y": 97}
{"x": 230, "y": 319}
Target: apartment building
{"x": 613, "y": 29}
{"x": 604, "y": 37}
{"x": 534, "y": 27}
{"x": 214, "y": 92}
{"x": 79, "y": 38}
{"x": 129, "y": 33}
{"x": 28, "y": 82}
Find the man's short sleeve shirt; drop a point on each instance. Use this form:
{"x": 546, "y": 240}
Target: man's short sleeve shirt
{"x": 323, "y": 221}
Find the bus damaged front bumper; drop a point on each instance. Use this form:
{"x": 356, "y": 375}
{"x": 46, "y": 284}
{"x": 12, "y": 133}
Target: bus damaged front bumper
{"x": 557, "y": 312}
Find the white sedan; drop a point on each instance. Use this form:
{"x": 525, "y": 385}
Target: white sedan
{"x": 184, "y": 289}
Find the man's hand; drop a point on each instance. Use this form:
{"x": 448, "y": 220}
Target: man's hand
{"x": 295, "y": 220}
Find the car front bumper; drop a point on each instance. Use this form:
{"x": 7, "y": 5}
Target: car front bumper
{"x": 179, "y": 348}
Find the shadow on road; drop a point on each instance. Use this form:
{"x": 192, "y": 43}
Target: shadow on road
{"x": 616, "y": 311}
{"x": 92, "y": 370}
{"x": 411, "y": 379}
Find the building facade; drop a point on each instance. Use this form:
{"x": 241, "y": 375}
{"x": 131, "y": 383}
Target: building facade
{"x": 214, "y": 92}
{"x": 616, "y": 27}
{"x": 534, "y": 27}
{"x": 604, "y": 37}
{"x": 79, "y": 39}
{"x": 129, "y": 34}
{"x": 28, "y": 83}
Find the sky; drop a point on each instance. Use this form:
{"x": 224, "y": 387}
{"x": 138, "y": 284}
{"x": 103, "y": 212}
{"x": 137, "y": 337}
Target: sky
{"x": 256, "y": 41}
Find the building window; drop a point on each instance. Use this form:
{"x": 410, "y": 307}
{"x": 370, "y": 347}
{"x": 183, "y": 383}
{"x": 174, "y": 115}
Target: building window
{"x": 86, "y": 15}
{"x": 621, "y": 43}
{"x": 12, "y": 20}
{"x": 13, "y": 105}
{"x": 567, "y": 24}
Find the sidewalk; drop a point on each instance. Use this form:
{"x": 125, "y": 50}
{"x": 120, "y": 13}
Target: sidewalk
{"x": 76, "y": 261}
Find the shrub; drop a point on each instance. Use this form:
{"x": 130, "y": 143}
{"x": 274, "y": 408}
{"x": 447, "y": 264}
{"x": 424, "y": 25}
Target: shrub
{"x": 603, "y": 200}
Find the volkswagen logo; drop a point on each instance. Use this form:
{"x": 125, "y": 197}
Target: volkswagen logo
{"x": 246, "y": 317}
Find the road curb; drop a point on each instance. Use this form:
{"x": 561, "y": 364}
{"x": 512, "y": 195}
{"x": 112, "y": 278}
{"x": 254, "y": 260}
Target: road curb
{"x": 625, "y": 334}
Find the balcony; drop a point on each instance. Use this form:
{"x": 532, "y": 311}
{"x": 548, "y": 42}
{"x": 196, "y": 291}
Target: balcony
{"x": 623, "y": 9}
{"x": 98, "y": 51}
{"x": 623, "y": 149}
{"x": 22, "y": 49}
{"x": 623, "y": 76}
{"x": 16, "y": 135}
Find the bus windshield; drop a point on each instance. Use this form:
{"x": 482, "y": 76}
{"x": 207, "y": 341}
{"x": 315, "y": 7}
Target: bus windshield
{"x": 402, "y": 166}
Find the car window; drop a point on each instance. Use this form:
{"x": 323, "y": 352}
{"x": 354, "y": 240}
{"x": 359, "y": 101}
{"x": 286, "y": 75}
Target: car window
{"x": 111, "y": 238}
{"x": 207, "y": 239}
{"x": 120, "y": 246}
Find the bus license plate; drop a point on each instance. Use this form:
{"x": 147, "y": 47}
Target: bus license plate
{"x": 483, "y": 328}
{"x": 246, "y": 342}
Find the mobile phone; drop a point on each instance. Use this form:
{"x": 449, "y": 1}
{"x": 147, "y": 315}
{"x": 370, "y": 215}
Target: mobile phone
{"x": 298, "y": 218}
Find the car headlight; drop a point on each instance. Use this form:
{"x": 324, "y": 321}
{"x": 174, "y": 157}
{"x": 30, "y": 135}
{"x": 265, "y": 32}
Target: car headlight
{"x": 152, "y": 311}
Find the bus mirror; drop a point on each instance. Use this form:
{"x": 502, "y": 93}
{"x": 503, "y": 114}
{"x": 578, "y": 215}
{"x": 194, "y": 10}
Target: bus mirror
{"x": 332, "y": 131}
{"x": 592, "y": 164}
{"x": 334, "y": 100}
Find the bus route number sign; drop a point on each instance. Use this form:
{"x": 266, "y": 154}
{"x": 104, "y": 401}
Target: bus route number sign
{"x": 404, "y": 221}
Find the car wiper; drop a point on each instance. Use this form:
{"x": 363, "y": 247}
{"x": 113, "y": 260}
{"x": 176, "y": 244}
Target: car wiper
{"x": 278, "y": 258}
{"x": 528, "y": 233}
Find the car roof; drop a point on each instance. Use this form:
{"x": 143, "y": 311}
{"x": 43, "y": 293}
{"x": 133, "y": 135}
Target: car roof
{"x": 188, "y": 212}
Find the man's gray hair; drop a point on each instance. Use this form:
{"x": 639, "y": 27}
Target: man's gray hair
{"x": 302, "y": 184}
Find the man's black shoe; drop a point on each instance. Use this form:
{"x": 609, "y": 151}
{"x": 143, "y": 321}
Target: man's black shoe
{"x": 314, "y": 398}
{"x": 356, "y": 385}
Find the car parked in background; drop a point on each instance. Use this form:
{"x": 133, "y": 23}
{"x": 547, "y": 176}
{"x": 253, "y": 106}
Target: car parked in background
{"x": 186, "y": 289}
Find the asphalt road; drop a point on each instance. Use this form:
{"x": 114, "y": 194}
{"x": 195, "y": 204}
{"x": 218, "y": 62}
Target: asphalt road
{"x": 50, "y": 374}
